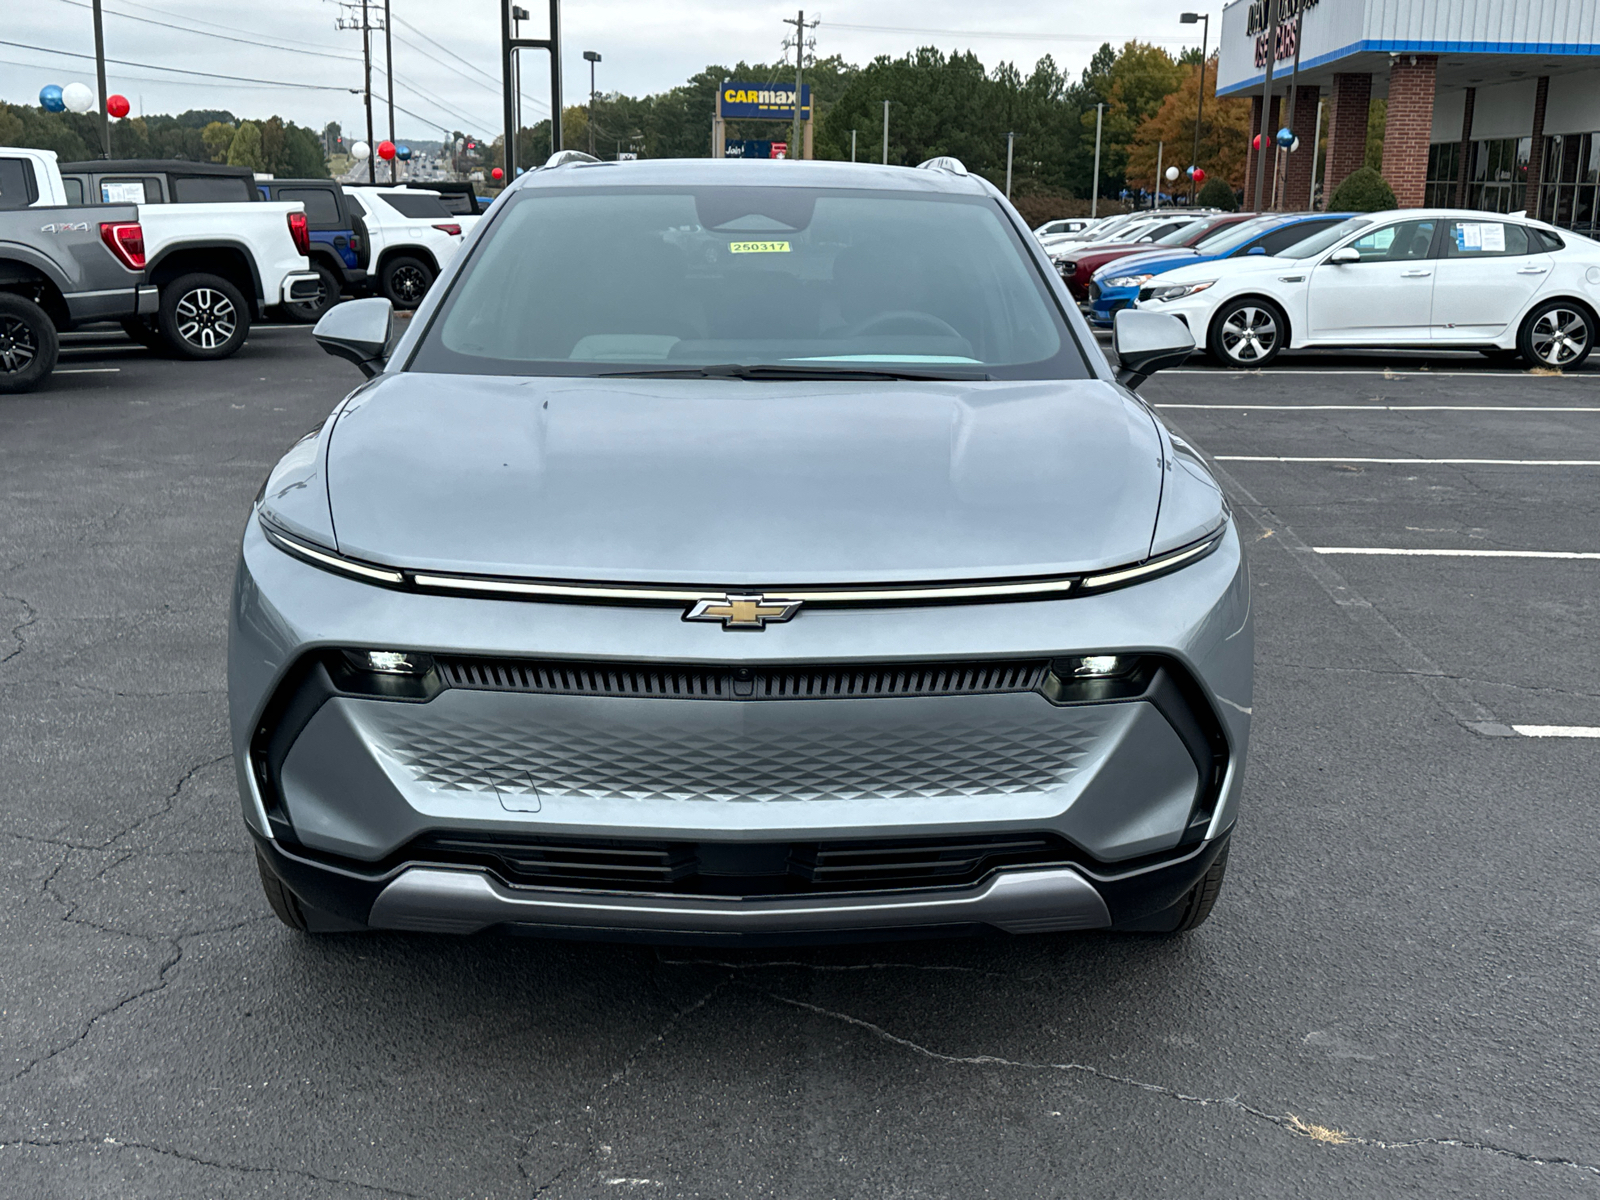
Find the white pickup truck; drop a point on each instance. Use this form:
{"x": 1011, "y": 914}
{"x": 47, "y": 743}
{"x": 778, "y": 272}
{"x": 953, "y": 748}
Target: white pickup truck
{"x": 218, "y": 262}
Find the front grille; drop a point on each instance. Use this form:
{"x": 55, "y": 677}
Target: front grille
{"x": 812, "y": 682}
{"x": 738, "y": 869}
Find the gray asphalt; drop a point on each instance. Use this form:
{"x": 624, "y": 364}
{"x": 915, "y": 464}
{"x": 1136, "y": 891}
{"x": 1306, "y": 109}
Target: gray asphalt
{"x": 1404, "y": 956}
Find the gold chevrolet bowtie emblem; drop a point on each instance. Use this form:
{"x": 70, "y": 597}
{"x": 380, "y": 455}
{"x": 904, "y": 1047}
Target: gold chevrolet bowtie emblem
{"x": 742, "y": 612}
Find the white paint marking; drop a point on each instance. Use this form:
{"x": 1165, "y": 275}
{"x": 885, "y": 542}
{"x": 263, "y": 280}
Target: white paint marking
{"x": 1558, "y": 731}
{"x": 1420, "y": 462}
{"x": 88, "y": 371}
{"x": 1397, "y": 552}
{"x": 1574, "y": 408}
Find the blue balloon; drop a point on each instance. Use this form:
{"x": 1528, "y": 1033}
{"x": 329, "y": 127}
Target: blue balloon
{"x": 1285, "y": 137}
{"x": 50, "y": 98}
{"x": 403, "y": 153}
{"x": 520, "y": 170}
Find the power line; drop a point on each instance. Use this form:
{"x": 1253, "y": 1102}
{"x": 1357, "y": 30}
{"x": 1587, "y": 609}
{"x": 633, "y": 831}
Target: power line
{"x": 437, "y": 103}
{"x": 294, "y": 42}
{"x": 207, "y": 33}
{"x": 998, "y": 33}
{"x": 123, "y": 62}
{"x": 495, "y": 88}
{"x": 445, "y": 50}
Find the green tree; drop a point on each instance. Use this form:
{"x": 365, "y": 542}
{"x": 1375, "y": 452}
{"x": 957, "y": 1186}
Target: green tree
{"x": 1218, "y": 194}
{"x": 217, "y": 138}
{"x": 1363, "y": 191}
{"x": 245, "y": 149}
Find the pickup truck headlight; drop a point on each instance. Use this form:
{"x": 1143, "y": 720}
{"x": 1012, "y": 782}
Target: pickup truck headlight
{"x": 1128, "y": 281}
{"x": 1175, "y": 291}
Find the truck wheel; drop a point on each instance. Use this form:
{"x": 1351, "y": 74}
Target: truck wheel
{"x": 143, "y": 331}
{"x": 203, "y": 316}
{"x": 28, "y": 344}
{"x": 308, "y": 312}
{"x": 406, "y": 280}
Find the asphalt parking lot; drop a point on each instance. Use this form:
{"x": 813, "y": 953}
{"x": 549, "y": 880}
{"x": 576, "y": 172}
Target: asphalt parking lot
{"x": 1395, "y": 995}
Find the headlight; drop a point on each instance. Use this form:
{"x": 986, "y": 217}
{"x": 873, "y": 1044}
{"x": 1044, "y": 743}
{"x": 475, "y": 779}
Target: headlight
{"x": 1127, "y": 281}
{"x": 1175, "y": 291}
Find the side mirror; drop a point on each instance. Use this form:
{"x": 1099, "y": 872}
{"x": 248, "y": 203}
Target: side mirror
{"x": 1147, "y": 342}
{"x": 1256, "y": 250}
{"x": 1345, "y": 254}
{"x": 358, "y": 330}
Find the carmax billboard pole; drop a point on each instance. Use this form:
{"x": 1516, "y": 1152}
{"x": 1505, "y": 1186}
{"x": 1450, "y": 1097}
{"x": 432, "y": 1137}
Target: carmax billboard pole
{"x": 509, "y": 47}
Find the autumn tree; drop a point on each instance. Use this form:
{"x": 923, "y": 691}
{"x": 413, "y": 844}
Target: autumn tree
{"x": 1224, "y": 133}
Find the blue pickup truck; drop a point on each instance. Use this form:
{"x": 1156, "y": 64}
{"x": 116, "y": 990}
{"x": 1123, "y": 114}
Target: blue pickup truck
{"x": 338, "y": 240}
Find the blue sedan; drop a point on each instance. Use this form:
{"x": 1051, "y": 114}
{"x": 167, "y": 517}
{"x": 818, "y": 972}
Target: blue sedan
{"x": 1117, "y": 284}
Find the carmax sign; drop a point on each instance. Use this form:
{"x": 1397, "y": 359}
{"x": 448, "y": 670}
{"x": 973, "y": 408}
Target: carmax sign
{"x": 770, "y": 101}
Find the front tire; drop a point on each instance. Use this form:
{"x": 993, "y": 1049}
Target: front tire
{"x": 203, "y": 317}
{"x": 308, "y": 312}
{"x": 28, "y": 344}
{"x": 1246, "y": 333}
{"x": 1557, "y": 336}
{"x": 405, "y": 281}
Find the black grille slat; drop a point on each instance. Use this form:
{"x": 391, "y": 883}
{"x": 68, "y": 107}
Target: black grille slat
{"x": 676, "y": 867}
{"x": 820, "y": 682}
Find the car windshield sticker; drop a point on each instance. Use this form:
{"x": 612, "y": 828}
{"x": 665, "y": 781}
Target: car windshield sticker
{"x": 759, "y": 247}
{"x": 122, "y": 193}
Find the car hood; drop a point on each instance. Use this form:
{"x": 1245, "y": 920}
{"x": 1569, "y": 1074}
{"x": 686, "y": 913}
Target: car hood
{"x": 743, "y": 483}
{"x": 1148, "y": 262}
{"x": 1223, "y": 268}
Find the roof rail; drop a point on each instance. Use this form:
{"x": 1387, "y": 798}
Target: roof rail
{"x": 564, "y": 158}
{"x": 944, "y": 162}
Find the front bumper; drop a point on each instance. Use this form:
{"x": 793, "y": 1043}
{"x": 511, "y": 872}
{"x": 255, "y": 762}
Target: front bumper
{"x": 1105, "y": 304}
{"x": 349, "y": 786}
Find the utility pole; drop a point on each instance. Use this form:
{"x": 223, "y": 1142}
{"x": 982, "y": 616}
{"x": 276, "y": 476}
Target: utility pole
{"x": 591, "y": 57}
{"x": 1010, "y": 139}
{"x": 796, "y": 147}
{"x": 388, "y": 61}
{"x": 1266, "y": 101}
{"x": 886, "y": 133}
{"x": 365, "y": 26}
{"x": 1094, "y": 191}
{"x": 518, "y": 16}
{"x": 100, "y": 74}
{"x": 1190, "y": 18}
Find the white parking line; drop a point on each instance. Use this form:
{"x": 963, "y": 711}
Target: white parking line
{"x": 1541, "y": 408}
{"x": 1398, "y": 552}
{"x": 1558, "y": 731}
{"x": 88, "y": 371}
{"x": 1419, "y": 462}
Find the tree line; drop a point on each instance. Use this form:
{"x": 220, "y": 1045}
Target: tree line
{"x": 284, "y": 149}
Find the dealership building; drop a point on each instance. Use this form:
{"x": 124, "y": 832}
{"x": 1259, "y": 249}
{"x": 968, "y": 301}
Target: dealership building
{"x": 1492, "y": 104}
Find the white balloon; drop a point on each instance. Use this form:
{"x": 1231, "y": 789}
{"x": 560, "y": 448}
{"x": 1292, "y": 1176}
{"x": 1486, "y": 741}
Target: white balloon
{"x": 77, "y": 98}
{"x": 1172, "y": 174}
{"x": 360, "y": 151}
{"x": 1294, "y": 145}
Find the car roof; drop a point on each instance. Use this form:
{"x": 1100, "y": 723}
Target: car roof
{"x": 750, "y": 172}
{"x": 170, "y": 166}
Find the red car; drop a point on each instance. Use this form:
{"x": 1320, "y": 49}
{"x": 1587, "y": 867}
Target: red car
{"x": 1077, "y": 266}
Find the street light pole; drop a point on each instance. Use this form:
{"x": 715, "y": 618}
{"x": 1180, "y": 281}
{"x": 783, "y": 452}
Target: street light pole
{"x": 852, "y": 145}
{"x": 886, "y": 133}
{"x": 1266, "y": 102}
{"x": 1010, "y": 138}
{"x": 518, "y": 16}
{"x": 1190, "y": 18}
{"x": 591, "y": 57}
{"x": 1094, "y": 190}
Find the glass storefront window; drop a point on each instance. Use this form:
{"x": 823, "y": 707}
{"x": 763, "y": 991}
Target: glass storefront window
{"x": 1497, "y": 178}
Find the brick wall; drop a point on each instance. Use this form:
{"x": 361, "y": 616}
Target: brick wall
{"x": 1297, "y": 177}
{"x": 1409, "y": 128}
{"x": 1250, "y": 154}
{"x": 1536, "y": 152}
{"x": 1347, "y": 128}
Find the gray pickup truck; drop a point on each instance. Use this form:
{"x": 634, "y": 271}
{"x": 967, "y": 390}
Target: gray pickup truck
{"x": 60, "y": 267}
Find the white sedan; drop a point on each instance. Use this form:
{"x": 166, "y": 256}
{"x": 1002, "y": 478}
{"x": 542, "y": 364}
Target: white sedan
{"x": 1413, "y": 278}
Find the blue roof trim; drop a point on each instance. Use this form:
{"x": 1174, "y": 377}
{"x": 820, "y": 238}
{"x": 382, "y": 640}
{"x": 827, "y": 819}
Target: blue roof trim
{"x": 1568, "y": 49}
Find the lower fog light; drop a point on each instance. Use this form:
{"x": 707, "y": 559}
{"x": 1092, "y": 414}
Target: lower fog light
{"x": 1095, "y": 666}
{"x": 390, "y": 662}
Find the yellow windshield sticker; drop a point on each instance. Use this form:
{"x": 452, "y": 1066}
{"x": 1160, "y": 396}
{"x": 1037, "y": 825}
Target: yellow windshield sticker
{"x": 759, "y": 247}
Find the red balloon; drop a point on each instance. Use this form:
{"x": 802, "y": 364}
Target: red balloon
{"x": 1199, "y": 175}
{"x": 1256, "y": 144}
{"x": 497, "y": 173}
{"x": 386, "y": 150}
{"x": 117, "y": 106}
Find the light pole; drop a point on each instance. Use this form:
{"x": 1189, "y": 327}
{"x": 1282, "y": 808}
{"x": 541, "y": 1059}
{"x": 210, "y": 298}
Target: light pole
{"x": 518, "y": 16}
{"x": 886, "y": 133}
{"x": 1010, "y": 138}
{"x": 852, "y": 145}
{"x": 1094, "y": 190}
{"x": 591, "y": 57}
{"x": 1200, "y": 108}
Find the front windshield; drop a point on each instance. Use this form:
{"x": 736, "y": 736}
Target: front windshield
{"x": 1318, "y": 242}
{"x": 1182, "y": 233}
{"x": 1231, "y": 237}
{"x": 589, "y": 281}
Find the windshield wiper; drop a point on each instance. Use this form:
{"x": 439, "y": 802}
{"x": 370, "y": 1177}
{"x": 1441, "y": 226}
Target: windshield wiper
{"x": 794, "y": 371}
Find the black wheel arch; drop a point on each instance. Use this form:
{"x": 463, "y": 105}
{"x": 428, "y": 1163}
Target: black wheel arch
{"x": 32, "y": 283}
{"x": 1540, "y": 302}
{"x": 226, "y": 259}
{"x": 421, "y": 253}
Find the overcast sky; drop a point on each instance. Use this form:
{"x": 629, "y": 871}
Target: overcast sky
{"x": 646, "y": 47}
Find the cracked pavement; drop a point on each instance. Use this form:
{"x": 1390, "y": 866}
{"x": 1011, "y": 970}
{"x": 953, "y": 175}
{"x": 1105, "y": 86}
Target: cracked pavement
{"x": 1393, "y": 997}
